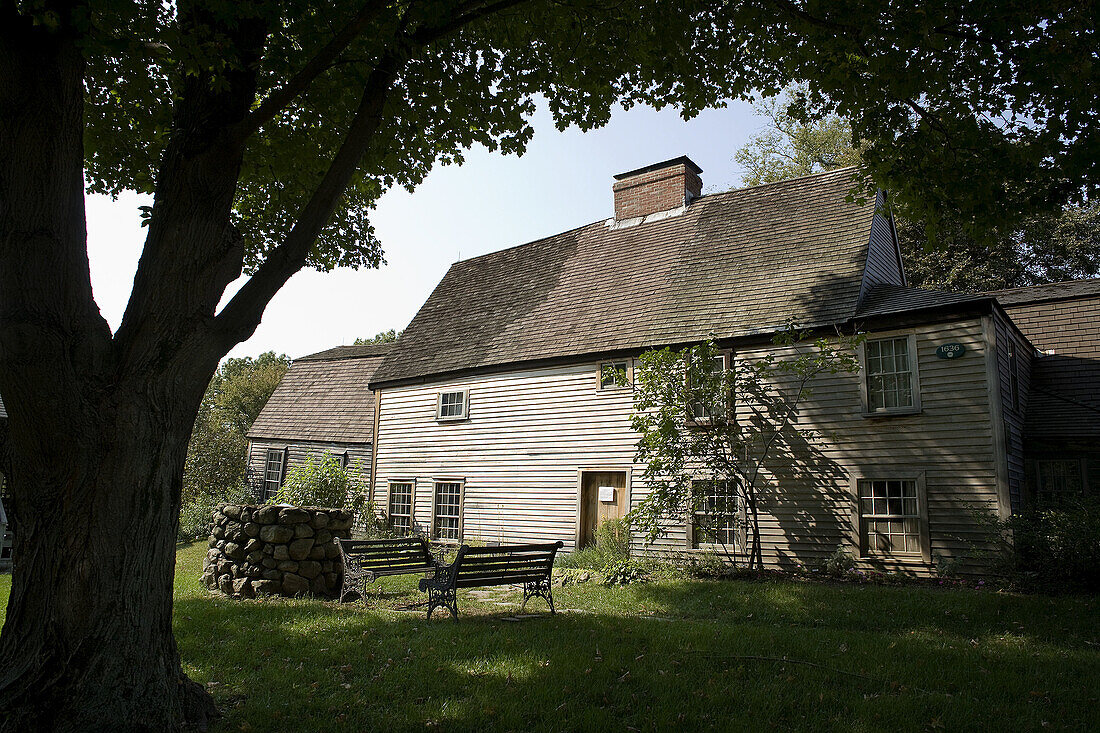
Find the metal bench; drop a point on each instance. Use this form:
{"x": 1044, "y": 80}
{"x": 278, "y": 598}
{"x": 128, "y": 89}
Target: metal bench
{"x": 477, "y": 567}
{"x": 367, "y": 560}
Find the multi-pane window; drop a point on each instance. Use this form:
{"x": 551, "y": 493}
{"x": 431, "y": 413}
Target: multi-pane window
{"x": 889, "y": 374}
{"x": 613, "y": 374}
{"x": 700, "y": 408}
{"x": 714, "y": 513}
{"x": 401, "y": 496}
{"x": 448, "y": 506}
{"x": 889, "y": 516}
{"x": 273, "y": 473}
{"x": 452, "y": 405}
{"x": 1057, "y": 480}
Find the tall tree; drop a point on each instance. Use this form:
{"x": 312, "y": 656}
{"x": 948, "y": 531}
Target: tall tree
{"x": 266, "y": 132}
{"x": 1040, "y": 247}
{"x": 216, "y": 460}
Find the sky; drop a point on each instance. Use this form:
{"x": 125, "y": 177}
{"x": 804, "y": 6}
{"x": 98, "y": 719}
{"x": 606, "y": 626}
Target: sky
{"x": 490, "y": 202}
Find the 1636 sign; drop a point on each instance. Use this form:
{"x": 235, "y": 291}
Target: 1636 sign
{"x": 950, "y": 351}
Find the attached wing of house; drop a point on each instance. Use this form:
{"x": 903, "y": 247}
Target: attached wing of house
{"x": 323, "y": 404}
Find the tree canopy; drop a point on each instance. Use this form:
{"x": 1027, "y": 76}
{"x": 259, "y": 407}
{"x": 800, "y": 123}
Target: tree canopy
{"x": 1038, "y": 247}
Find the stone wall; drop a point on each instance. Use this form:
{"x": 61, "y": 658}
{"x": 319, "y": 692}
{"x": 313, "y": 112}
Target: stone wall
{"x": 276, "y": 550}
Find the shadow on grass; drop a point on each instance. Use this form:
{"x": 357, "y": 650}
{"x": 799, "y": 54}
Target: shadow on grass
{"x": 693, "y": 654}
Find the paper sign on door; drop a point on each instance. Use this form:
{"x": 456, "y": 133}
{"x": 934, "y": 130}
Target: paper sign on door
{"x": 607, "y": 493}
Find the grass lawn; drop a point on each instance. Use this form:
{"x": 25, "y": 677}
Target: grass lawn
{"x": 687, "y": 653}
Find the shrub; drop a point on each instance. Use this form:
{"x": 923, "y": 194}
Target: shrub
{"x": 840, "y": 563}
{"x": 625, "y": 572}
{"x": 321, "y": 482}
{"x": 196, "y": 516}
{"x": 704, "y": 565}
{"x": 612, "y": 546}
{"x": 1055, "y": 549}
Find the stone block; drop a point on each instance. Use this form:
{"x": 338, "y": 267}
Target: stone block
{"x": 293, "y": 515}
{"x": 276, "y": 534}
{"x": 267, "y": 587}
{"x": 288, "y": 566}
{"x": 234, "y": 551}
{"x": 281, "y": 552}
{"x": 309, "y": 569}
{"x": 242, "y": 588}
{"x": 340, "y": 520}
{"x": 253, "y": 546}
{"x": 294, "y": 585}
{"x": 332, "y": 550}
{"x": 272, "y": 574}
{"x": 267, "y": 515}
{"x": 319, "y": 520}
{"x": 225, "y": 584}
{"x": 317, "y": 553}
{"x": 303, "y": 530}
{"x": 323, "y": 537}
{"x": 251, "y": 529}
{"x": 299, "y": 549}
{"x": 318, "y": 587}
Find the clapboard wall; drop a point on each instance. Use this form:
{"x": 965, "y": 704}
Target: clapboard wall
{"x": 531, "y": 432}
{"x": 296, "y": 453}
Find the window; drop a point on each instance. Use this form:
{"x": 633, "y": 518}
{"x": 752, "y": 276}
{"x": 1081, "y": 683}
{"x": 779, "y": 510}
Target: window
{"x": 446, "y": 511}
{"x": 891, "y": 381}
{"x": 889, "y": 517}
{"x": 401, "y": 496}
{"x": 452, "y": 405}
{"x": 614, "y": 375}
{"x": 273, "y": 472}
{"x": 699, "y": 410}
{"x": 1057, "y": 480}
{"x": 714, "y": 513}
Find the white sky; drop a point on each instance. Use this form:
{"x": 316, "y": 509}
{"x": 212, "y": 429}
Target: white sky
{"x": 490, "y": 202}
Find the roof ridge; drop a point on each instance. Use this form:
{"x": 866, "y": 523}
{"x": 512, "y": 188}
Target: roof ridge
{"x": 758, "y": 186}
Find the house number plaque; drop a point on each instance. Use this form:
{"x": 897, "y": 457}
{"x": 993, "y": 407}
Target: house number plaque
{"x": 950, "y": 351}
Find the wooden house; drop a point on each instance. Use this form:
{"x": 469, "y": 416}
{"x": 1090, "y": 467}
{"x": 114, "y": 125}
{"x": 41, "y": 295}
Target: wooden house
{"x": 496, "y": 422}
{"x": 322, "y": 405}
{"x": 6, "y": 536}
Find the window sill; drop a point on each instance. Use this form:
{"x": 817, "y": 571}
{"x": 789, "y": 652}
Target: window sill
{"x": 895, "y": 412}
{"x": 464, "y": 418}
{"x": 912, "y": 559}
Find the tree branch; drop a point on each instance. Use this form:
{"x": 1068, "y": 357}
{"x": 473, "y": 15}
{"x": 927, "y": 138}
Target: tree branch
{"x": 279, "y": 98}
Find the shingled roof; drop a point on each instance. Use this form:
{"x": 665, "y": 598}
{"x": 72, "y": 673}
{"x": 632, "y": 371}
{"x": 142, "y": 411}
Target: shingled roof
{"x": 883, "y": 300}
{"x": 732, "y": 264}
{"x": 1054, "y": 291}
{"x": 324, "y": 397}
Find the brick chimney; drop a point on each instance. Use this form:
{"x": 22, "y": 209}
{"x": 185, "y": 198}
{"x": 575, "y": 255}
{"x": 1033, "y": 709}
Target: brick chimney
{"x": 655, "y": 188}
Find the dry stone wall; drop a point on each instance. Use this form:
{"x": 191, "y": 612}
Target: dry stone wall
{"x": 276, "y": 550}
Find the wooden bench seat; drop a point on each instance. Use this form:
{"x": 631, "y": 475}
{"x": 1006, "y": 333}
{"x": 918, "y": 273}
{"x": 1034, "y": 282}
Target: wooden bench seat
{"x": 477, "y": 567}
{"x": 367, "y": 560}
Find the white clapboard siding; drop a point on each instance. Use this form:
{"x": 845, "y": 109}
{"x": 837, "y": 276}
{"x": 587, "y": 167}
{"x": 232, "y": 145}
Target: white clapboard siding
{"x": 530, "y": 432}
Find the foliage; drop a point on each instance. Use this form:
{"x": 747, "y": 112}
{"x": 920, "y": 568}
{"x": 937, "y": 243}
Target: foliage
{"x": 322, "y": 481}
{"x": 1055, "y": 548}
{"x": 789, "y": 147}
{"x": 1036, "y": 248}
{"x": 196, "y": 516}
{"x": 375, "y": 526}
{"x": 382, "y": 337}
{"x": 625, "y": 572}
{"x": 611, "y": 548}
{"x": 216, "y": 460}
{"x": 744, "y": 444}
{"x": 840, "y": 563}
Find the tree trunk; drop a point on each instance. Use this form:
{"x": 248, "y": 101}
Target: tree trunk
{"x": 87, "y": 643}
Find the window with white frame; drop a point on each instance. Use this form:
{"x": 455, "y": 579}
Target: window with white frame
{"x": 614, "y": 375}
{"x": 699, "y": 408}
{"x": 889, "y": 517}
{"x": 401, "y": 502}
{"x": 1058, "y": 479}
{"x": 447, "y": 511}
{"x": 714, "y": 513}
{"x": 273, "y": 472}
{"x": 452, "y": 405}
{"x": 891, "y": 383}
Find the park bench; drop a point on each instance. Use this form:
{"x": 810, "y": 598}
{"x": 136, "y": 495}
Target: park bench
{"x": 478, "y": 567}
{"x": 367, "y": 560}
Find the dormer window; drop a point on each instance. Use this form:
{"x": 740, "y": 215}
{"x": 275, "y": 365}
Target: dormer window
{"x": 453, "y": 405}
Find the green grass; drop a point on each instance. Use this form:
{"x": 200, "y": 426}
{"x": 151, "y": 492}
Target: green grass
{"x": 695, "y": 654}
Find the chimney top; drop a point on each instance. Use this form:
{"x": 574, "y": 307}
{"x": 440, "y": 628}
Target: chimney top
{"x": 681, "y": 160}
{"x": 658, "y": 188}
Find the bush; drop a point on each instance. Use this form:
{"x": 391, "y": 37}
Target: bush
{"x": 1055, "y": 549}
{"x": 840, "y": 564}
{"x": 625, "y": 572}
{"x": 321, "y": 482}
{"x": 197, "y": 515}
{"x": 612, "y": 547}
{"x": 704, "y": 565}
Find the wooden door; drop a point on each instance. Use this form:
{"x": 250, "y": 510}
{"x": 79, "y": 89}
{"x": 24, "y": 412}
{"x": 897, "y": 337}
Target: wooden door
{"x": 596, "y": 510}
